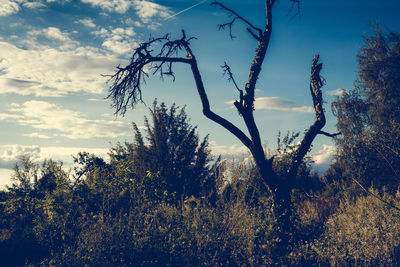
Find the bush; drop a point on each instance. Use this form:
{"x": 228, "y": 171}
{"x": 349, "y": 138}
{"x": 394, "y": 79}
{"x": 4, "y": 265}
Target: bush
{"x": 362, "y": 232}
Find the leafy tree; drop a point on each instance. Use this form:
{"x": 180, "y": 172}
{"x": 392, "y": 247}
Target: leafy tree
{"x": 172, "y": 150}
{"x": 35, "y": 215}
{"x": 25, "y": 176}
{"x": 368, "y": 115}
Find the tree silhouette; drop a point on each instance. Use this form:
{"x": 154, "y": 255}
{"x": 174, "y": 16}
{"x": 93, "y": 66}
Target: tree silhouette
{"x": 159, "y": 55}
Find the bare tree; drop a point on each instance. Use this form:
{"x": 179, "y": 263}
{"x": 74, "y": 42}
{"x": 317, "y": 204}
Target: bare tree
{"x": 126, "y": 91}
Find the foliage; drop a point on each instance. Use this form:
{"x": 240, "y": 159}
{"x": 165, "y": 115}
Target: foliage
{"x": 113, "y": 217}
{"x": 361, "y": 232}
{"x": 172, "y": 150}
{"x": 35, "y": 212}
{"x": 160, "y": 202}
{"x": 160, "y": 56}
{"x": 368, "y": 149}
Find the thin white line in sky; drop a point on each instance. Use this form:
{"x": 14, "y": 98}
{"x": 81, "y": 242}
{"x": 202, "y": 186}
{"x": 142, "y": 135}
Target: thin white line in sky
{"x": 186, "y": 9}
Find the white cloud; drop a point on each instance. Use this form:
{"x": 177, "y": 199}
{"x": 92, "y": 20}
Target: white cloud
{"x": 87, "y": 22}
{"x": 10, "y": 154}
{"x": 37, "y": 135}
{"x": 54, "y": 34}
{"x": 336, "y": 92}
{"x": 33, "y": 5}
{"x": 277, "y": 103}
{"x": 94, "y": 100}
{"x": 102, "y": 33}
{"x": 8, "y": 7}
{"x": 65, "y": 154}
{"x": 118, "y": 40}
{"x": 45, "y": 71}
{"x": 146, "y": 10}
{"x": 71, "y": 124}
{"x": 324, "y": 158}
{"x": 119, "y": 6}
{"x": 7, "y": 116}
{"x": 5, "y": 175}
{"x": 234, "y": 150}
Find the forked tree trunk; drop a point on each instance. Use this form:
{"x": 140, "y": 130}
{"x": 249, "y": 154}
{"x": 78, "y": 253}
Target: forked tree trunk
{"x": 126, "y": 91}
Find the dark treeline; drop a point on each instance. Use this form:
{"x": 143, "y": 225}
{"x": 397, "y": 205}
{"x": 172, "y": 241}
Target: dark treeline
{"x": 162, "y": 200}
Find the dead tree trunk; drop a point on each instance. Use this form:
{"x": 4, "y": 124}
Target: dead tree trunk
{"x": 126, "y": 91}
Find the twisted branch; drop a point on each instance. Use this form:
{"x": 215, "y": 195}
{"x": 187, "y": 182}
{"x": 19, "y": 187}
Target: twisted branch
{"x": 125, "y": 90}
{"x": 250, "y": 29}
{"x": 227, "y": 71}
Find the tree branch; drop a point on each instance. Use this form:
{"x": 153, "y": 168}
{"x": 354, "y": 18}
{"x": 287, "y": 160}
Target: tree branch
{"x": 238, "y": 104}
{"x": 126, "y": 82}
{"x": 227, "y": 71}
{"x": 295, "y": 3}
{"x": 316, "y": 82}
{"x": 237, "y": 16}
{"x": 245, "y": 105}
{"x": 329, "y": 134}
{"x": 206, "y": 104}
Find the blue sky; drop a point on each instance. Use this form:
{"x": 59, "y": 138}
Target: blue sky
{"x": 53, "y": 52}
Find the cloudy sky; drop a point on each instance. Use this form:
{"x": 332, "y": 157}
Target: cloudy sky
{"x": 54, "y": 55}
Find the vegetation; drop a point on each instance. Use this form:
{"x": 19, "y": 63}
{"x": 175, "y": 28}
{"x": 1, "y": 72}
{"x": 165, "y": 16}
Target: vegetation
{"x": 159, "y": 55}
{"x": 368, "y": 116}
{"x": 162, "y": 200}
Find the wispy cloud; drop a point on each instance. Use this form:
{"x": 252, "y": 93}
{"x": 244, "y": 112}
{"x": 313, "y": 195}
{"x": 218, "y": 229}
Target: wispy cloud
{"x": 336, "y": 92}
{"x": 7, "y": 116}
{"x": 97, "y": 100}
{"x": 87, "y": 22}
{"x": 277, "y": 103}
{"x": 37, "y": 135}
{"x": 186, "y": 9}
{"x": 33, "y": 5}
{"x": 71, "y": 124}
